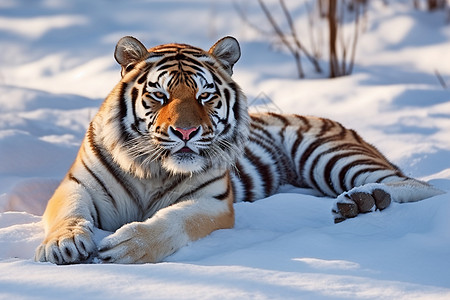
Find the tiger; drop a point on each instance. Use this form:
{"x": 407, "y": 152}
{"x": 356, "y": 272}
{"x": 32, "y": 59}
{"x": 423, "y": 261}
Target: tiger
{"x": 173, "y": 147}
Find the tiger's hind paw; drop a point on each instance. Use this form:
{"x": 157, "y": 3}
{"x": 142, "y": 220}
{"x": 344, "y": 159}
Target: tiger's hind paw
{"x": 350, "y": 204}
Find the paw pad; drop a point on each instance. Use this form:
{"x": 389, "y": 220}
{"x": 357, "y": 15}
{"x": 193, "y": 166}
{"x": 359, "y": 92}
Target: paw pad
{"x": 348, "y": 210}
{"x": 382, "y": 199}
{"x": 351, "y": 204}
{"x": 364, "y": 201}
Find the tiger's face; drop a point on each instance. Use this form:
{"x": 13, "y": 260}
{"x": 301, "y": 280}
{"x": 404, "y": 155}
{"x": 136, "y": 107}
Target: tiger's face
{"x": 184, "y": 114}
{"x": 188, "y": 114}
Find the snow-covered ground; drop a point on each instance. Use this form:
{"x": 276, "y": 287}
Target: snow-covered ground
{"x": 56, "y": 65}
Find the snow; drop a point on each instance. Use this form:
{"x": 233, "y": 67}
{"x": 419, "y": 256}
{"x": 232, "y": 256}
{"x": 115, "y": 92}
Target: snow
{"x": 57, "y": 65}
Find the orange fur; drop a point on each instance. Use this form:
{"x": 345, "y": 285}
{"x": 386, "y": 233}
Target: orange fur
{"x": 183, "y": 111}
{"x": 201, "y": 225}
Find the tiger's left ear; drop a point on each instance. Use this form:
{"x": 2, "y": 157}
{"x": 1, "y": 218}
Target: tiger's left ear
{"x": 227, "y": 51}
{"x": 129, "y": 51}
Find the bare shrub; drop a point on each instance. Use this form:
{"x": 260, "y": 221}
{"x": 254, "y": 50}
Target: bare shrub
{"x": 335, "y": 13}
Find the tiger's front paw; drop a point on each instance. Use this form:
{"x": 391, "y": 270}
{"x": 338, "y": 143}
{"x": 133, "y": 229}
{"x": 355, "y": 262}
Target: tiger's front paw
{"x": 140, "y": 242}
{"x": 354, "y": 202}
{"x": 69, "y": 241}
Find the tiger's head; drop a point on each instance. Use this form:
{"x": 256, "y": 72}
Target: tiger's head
{"x": 178, "y": 108}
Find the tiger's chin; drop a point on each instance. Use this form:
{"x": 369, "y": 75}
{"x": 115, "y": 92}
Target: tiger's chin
{"x": 184, "y": 163}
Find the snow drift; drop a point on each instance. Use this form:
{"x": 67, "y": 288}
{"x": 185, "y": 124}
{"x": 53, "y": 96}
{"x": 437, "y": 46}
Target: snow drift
{"x": 57, "y": 65}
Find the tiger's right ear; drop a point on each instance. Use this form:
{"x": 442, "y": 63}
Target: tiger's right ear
{"x": 128, "y": 52}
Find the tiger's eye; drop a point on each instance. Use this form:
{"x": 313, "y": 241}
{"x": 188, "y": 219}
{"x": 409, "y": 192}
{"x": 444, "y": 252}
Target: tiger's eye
{"x": 160, "y": 95}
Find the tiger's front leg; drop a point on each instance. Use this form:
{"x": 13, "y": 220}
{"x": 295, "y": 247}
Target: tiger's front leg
{"x": 167, "y": 231}
{"x": 68, "y": 227}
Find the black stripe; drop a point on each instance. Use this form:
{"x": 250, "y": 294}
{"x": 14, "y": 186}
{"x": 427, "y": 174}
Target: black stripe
{"x": 247, "y": 183}
{"x": 201, "y": 186}
{"x": 164, "y": 60}
{"x": 258, "y": 137}
{"x": 345, "y": 169}
{"x": 296, "y": 144}
{"x": 125, "y": 135}
{"x": 153, "y": 55}
{"x": 356, "y": 136}
{"x": 317, "y": 143}
{"x": 237, "y": 111}
{"x": 165, "y": 67}
{"x": 195, "y": 63}
{"x": 362, "y": 171}
{"x": 181, "y": 57}
{"x": 97, "y": 218}
{"x": 285, "y": 122}
{"x": 160, "y": 194}
{"x": 265, "y": 143}
{"x": 397, "y": 174}
{"x": 326, "y": 126}
{"x": 161, "y": 75}
{"x": 372, "y": 149}
{"x": 237, "y": 103}
{"x": 264, "y": 171}
{"x": 224, "y": 195}
{"x": 101, "y": 183}
{"x": 122, "y": 104}
{"x": 194, "y": 51}
{"x": 153, "y": 84}
{"x": 108, "y": 166}
{"x": 197, "y": 67}
{"x": 354, "y": 150}
{"x": 213, "y": 70}
{"x": 191, "y": 83}
{"x": 276, "y": 153}
{"x": 256, "y": 119}
{"x": 227, "y": 95}
{"x": 71, "y": 177}
{"x": 299, "y": 137}
{"x": 226, "y": 129}
{"x": 278, "y": 158}
{"x": 134, "y": 96}
{"x": 305, "y": 121}
{"x": 267, "y": 135}
{"x": 143, "y": 78}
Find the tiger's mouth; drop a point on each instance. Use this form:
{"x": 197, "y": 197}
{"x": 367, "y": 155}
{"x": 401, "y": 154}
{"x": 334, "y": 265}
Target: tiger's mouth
{"x": 185, "y": 149}
{"x": 186, "y": 154}
{"x": 184, "y": 161}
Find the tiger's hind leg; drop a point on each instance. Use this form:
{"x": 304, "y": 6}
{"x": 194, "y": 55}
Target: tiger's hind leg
{"x": 337, "y": 162}
{"x": 352, "y": 203}
{"x": 378, "y": 196}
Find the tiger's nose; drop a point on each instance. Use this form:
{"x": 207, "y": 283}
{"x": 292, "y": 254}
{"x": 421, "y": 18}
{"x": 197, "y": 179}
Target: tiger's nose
{"x": 185, "y": 133}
